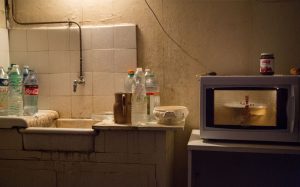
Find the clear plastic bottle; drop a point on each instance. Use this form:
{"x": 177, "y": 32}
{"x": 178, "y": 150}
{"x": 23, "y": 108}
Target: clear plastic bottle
{"x": 129, "y": 81}
{"x": 138, "y": 100}
{"x": 152, "y": 92}
{"x": 31, "y": 91}
{"x": 15, "y": 99}
{"x": 9, "y": 68}
{"x": 25, "y": 72}
{"x": 3, "y": 92}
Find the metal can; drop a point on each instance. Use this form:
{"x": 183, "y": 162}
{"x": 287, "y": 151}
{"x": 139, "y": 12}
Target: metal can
{"x": 266, "y": 64}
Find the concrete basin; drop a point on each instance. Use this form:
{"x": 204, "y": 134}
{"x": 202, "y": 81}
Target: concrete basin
{"x": 61, "y": 135}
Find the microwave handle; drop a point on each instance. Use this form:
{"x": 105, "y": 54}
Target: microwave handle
{"x": 291, "y": 107}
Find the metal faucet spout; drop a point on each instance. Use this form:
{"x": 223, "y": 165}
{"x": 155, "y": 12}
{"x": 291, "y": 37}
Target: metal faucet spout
{"x": 75, "y": 82}
{"x": 81, "y": 81}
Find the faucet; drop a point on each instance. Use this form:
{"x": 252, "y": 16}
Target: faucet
{"x": 76, "y": 82}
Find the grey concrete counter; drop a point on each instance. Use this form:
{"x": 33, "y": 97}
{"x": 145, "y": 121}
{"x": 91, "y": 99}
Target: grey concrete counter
{"x": 150, "y": 126}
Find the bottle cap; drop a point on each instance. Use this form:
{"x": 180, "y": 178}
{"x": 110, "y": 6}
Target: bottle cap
{"x": 139, "y": 69}
{"x": 266, "y": 54}
{"x": 130, "y": 71}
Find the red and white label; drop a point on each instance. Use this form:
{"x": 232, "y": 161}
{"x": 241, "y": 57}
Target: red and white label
{"x": 31, "y": 90}
{"x": 152, "y": 93}
{"x": 266, "y": 65}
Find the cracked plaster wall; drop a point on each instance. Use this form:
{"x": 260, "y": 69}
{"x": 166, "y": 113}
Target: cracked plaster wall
{"x": 2, "y": 14}
{"x": 225, "y": 36}
{"x": 4, "y": 49}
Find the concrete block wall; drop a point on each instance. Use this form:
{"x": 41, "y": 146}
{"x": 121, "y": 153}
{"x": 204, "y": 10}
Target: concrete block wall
{"x": 120, "y": 158}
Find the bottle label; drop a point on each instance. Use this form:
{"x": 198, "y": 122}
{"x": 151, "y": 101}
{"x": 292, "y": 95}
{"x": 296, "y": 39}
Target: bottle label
{"x": 266, "y": 65}
{"x": 153, "y": 93}
{"x": 3, "y": 82}
{"x": 3, "y": 89}
{"x": 31, "y": 89}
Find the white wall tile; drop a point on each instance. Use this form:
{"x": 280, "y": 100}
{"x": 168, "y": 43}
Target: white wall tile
{"x": 44, "y": 84}
{"x": 74, "y": 61}
{"x": 18, "y": 40}
{"x": 102, "y": 37}
{"x": 120, "y": 81}
{"x": 38, "y": 61}
{"x": 87, "y": 61}
{"x": 60, "y": 84}
{"x": 125, "y": 36}
{"x": 86, "y": 37}
{"x": 87, "y": 88}
{"x": 102, "y": 60}
{"x": 102, "y": 104}
{"x": 37, "y": 40}
{"x": 59, "y": 62}
{"x": 58, "y": 39}
{"x": 87, "y": 64}
{"x": 54, "y": 55}
{"x": 18, "y": 57}
{"x": 125, "y": 59}
{"x": 82, "y": 106}
{"x": 43, "y": 102}
{"x": 61, "y": 104}
{"x": 74, "y": 39}
{"x": 103, "y": 84}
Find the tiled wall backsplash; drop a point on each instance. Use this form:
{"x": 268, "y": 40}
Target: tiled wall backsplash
{"x": 53, "y": 52}
{"x": 4, "y": 49}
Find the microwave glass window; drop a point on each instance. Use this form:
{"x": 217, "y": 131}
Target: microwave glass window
{"x": 245, "y": 108}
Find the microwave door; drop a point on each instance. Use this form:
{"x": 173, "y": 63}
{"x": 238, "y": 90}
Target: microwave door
{"x": 248, "y": 108}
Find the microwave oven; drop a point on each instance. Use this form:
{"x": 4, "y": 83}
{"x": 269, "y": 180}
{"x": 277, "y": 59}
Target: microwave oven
{"x": 255, "y": 108}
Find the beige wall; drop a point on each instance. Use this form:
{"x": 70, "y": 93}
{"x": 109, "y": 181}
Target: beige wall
{"x": 2, "y": 14}
{"x": 4, "y": 49}
{"x": 225, "y": 36}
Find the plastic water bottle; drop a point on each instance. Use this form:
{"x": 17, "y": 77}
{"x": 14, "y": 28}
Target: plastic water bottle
{"x": 9, "y": 68}
{"x": 31, "y": 91}
{"x": 3, "y": 92}
{"x": 138, "y": 99}
{"x": 129, "y": 81}
{"x": 25, "y": 72}
{"x": 15, "y": 99}
{"x": 152, "y": 92}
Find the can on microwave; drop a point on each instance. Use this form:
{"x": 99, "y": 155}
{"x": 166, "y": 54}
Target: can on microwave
{"x": 266, "y": 64}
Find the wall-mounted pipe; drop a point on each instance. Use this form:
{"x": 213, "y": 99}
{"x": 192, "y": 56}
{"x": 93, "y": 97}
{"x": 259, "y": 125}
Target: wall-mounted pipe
{"x": 81, "y": 76}
{"x": 6, "y": 5}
